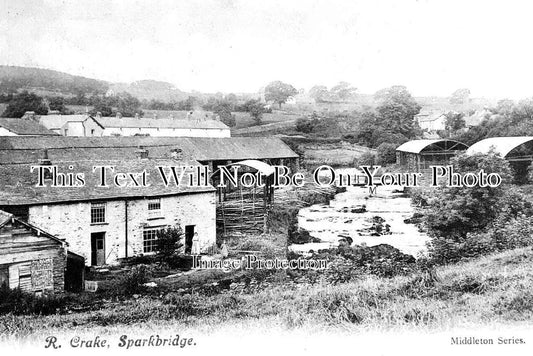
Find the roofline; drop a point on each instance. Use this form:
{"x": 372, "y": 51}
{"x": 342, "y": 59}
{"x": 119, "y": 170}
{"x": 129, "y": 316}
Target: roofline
{"x": 207, "y": 190}
{"x": 35, "y": 228}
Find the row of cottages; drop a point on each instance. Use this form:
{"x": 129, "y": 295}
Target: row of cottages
{"x": 189, "y": 124}
{"x": 34, "y": 260}
{"x": 419, "y": 155}
{"x": 107, "y": 223}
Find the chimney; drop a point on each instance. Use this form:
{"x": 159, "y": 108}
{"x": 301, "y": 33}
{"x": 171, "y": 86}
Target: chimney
{"x": 98, "y": 115}
{"x": 45, "y": 161}
{"x": 119, "y": 115}
{"x": 155, "y": 115}
{"x": 176, "y": 153}
{"x": 136, "y": 115}
{"x": 142, "y": 153}
{"x": 29, "y": 115}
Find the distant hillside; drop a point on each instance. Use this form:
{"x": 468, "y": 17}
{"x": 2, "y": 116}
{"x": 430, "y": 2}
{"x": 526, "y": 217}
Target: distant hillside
{"x": 151, "y": 90}
{"x": 47, "y": 82}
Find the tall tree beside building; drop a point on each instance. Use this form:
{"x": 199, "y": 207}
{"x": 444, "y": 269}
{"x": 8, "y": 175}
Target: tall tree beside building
{"x": 255, "y": 108}
{"x": 24, "y": 101}
{"x": 397, "y": 110}
{"x": 279, "y": 92}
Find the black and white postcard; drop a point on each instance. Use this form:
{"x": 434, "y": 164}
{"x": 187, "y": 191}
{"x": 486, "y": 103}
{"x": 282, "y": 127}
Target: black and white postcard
{"x": 227, "y": 177}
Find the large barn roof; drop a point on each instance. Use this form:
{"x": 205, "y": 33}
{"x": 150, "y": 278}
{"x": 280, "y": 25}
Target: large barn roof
{"x": 25, "y": 150}
{"x": 146, "y": 122}
{"x": 501, "y": 145}
{"x": 417, "y": 146}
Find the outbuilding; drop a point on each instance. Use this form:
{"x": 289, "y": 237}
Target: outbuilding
{"x": 419, "y": 155}
{"x": 518, "y": 151}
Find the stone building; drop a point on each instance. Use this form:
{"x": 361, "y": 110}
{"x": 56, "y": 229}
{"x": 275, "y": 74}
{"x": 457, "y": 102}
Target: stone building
{"x": 107, "y": 223}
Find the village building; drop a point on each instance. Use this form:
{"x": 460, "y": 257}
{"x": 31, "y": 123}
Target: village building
{"x": 23, "y": 127}
{"x": 72, "y": 125}
{"x": 107, "y": 224}
{"x": 431, "y": 122}
{"x": 419, "y": 155}
{"x": 188, "y": 124}
{"x": 30, "y": 259}
{"x": 518, "y": 151}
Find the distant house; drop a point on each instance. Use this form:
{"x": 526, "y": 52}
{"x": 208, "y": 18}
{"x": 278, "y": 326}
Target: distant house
{"x": 23, "y": 127}
{"x": 431, "y": 122}
{"x": 72, "y": 125}
{"x": 30, "y": 259}
{"x": 106, "y": 224}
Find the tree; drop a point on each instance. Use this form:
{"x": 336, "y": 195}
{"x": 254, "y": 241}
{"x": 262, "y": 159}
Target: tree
{"x": 255, "y": 108}
{"x": 168, "y": 242}
{"x": 279, "y": 92}
{"x": 454, "y": 121}
{"x": 320, "y": 93}
{"x": 128, "y": 105}
{"x": 386, "y": 153}
{"x": 343, "y": 91}
{"x": 223, "y": 110}
{"x": 460, "y": 96}
{"x": 23, "y": 102}
{"x": 397, "y": 110}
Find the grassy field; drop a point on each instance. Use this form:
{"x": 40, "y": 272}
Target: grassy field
{"x": 489, "y": 291}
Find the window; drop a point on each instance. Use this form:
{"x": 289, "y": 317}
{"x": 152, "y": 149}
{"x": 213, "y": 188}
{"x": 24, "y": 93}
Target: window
{"x": 154, "y": 207}
{"x": 97, "y": 213}
{"x": 150, "y": 239}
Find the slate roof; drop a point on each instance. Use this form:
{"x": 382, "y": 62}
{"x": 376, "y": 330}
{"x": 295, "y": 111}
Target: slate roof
{"x": 18, "y": 183}
{"x": 55, "y": 122}
{"x": 25, "y": 127}
{"x": 25, "y": 150}
{"x": 417, "y": 146}
{"x": 146, "y": 122}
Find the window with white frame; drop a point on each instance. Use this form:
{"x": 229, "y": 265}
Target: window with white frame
{"x": 97, "y": 213}
{"x": 154, "y": 207}
{"x": 150, "y": 239}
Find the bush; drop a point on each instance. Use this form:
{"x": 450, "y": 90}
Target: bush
{"x": 366, "y": 159}
{"x": 168, "y": 242}
{"x": 306, "y": 125}
{"x": 386, "y": 153}
{"x": 17, "y": 301}
{"x": 131, "y": 282}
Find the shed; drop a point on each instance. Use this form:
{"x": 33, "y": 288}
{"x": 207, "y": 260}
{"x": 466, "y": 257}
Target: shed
{"x": 517, "y": 150}
{"x": 30, "y": 259}
{"x": 418, "y": 155}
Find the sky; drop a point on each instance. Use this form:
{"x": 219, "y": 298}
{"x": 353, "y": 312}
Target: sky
{"x": 432, "y": 47}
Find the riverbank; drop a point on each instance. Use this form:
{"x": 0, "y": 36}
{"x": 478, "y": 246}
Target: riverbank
{"x": 489, "y": 291}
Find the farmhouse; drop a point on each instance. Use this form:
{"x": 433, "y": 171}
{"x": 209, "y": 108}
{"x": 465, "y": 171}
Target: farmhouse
{"x": 30, "y": 259}
{"x": 107, "y": 223}
{"x": 517, "y": 150}
{"x": 23, "y": 127}
{"x": 431, "y": 122}
{"x": 419, "y": 155}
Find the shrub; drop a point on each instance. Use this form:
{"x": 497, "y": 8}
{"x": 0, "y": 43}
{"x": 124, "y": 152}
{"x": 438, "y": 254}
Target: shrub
{"x": 17, "y": 301}
{"x": 386, "y": 153}
{"x": 168, "y": 242}
{"x": 366, "y": 159}
{"x": 131, "y": 282}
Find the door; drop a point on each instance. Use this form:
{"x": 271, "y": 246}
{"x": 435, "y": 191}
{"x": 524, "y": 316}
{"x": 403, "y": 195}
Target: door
{"x": 4, "y": 276}
{"x": 189, "y": 233}
{"x": 97, "y": 248}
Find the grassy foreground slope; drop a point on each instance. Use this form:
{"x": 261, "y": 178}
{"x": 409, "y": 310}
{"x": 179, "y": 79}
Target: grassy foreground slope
{"x": 491, "y": 291}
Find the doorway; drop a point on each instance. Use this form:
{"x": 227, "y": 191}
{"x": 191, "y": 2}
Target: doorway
{"x": 189, "y": 233}
{"x": 97, "y": 248}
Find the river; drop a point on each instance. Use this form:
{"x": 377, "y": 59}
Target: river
{"x": 340, "y": 217}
